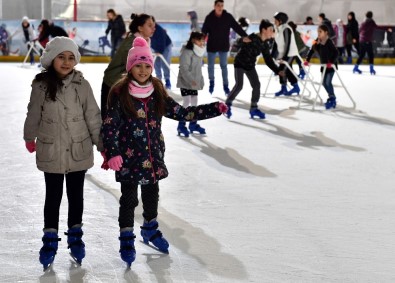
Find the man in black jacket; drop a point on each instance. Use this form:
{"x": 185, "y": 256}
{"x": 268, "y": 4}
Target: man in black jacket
{"x": 216, "y": 26}
{"x": 117, "y": 27}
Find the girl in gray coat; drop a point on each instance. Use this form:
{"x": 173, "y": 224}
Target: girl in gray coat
{"x": 190, "y": 78}
{"x": 62, "y": 124}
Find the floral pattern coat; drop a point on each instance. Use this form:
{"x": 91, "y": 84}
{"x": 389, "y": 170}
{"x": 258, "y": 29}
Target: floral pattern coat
{"x": 140, "y": 140}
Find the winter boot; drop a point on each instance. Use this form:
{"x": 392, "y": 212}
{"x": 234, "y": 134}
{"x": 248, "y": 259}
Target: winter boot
{"x": 228, "y": 113}
{"x": 167, "y": 84}
{"x": 356, "y": 69}
{"x": 295, "y": 89}
{"x": 181, "y": 129}
{"x": 226, "y": 90}
{"x": 331, "y": 102}
{"x": 349, "y": 60}
{"x": 127, "y": 250}
{"x": 50, "y": 247}
{"x": 75, "y": 243}
{"x": 211, "y": 87}
{"x": 195, "y": 127}
{"x": 302, "y": 74}
{"x": 372, "y": 71}
{"x": 283, "y": 91}
{"x": 150, "y": 233}
{"x": 256, "y": 112}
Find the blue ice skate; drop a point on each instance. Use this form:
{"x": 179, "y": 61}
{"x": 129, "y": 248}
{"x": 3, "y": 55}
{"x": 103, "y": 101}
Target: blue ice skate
{"x": 330, "y": 103}
{"x": 295, "y": 89}
{"x": 127, "y": 250}
{"x": 75, "y": 244}
{"x": 256, "y": 112}
{"x": 49, "y": 249}
{"x": 150, "y": 233}
{"x": 283, "y": 91}
{"x": 356, "y": 69}
{"x": 182, "y": 130}
{"x": 195, "y": 127}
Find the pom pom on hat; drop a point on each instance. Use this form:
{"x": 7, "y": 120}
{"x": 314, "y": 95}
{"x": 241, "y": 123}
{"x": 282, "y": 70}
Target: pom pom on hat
{"x": 139, "y": 53}
{"x": 56, "y": 46}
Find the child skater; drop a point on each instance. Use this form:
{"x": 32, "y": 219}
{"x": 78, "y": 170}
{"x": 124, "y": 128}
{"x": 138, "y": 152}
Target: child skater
{"x": 328, "y": 54}
{"x": 287, "y": 51}
{"x": 62, "y": 123}
{"x": 245, "y": 61}
{"x": 134, "y": 144}
{"x": 190, "y": 78}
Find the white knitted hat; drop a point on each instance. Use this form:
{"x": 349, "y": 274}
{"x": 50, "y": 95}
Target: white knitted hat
{"x": 58, "y": 45}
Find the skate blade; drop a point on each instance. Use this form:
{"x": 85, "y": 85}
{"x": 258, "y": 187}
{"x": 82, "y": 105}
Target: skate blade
{"x": 48, "y": 267}
{"x": 155, "y": 248}
{"x": 79, "y": 262}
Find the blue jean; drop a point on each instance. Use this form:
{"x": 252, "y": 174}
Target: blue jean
{"x": 327, "y": 83}
{"x": 223, "y": 62}
{"x": 159, "y": 64}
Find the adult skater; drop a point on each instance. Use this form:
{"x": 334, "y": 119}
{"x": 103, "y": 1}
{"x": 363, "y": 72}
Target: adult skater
{"x": 216, "y": 26}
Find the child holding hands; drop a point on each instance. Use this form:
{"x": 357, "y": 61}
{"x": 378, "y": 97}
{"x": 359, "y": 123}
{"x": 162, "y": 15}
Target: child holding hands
{"x": 62, "y": 124}
{"x": 134, "y": 143}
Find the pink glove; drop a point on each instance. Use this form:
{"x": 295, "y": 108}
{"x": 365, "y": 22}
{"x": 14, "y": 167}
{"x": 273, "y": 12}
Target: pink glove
{"x": 115, "y": 163}
{"x": 31, "y": 146}
{"x": 329, "y": 65}
{"x": 306, "y": 63}
{"x": 105, "y": 163}
{"x": 222, "y": 107}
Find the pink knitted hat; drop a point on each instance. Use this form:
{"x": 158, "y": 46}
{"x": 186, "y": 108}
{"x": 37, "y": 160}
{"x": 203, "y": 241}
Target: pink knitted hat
{"x": 139, "y": 53}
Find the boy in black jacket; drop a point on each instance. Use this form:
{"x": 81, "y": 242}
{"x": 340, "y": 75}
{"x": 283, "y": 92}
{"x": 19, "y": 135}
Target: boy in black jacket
{"x": 244, "y": 63}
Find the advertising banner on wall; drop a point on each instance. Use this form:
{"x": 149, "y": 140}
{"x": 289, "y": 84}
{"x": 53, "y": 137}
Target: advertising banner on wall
{"x": 92, "y": 41}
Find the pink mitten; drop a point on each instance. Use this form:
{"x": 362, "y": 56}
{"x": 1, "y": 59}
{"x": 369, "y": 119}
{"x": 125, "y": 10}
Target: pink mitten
{"x": 306, "y": 63}
{"x": 222, "y": 107}
{"x": 115, "y": 163}
{"x": 329, "y": 65}
{"x": 31, "y": 146}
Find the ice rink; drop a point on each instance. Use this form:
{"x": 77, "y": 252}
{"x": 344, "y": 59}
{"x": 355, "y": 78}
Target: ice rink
{"x": 303, "y": 196}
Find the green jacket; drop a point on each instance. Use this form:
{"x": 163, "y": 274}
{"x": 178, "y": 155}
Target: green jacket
{"x": 117, "y": 66}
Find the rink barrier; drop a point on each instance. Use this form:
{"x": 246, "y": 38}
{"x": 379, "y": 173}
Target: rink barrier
{"x": 175, "y": 60}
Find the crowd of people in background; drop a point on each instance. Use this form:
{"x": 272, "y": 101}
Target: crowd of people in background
{"x": 127, "y": 127}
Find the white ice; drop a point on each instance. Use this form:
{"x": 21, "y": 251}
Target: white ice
{"x": 303, "y": 196}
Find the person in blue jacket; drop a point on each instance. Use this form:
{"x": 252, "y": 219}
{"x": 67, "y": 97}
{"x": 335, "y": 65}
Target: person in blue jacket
{"x": 161, "y": 44}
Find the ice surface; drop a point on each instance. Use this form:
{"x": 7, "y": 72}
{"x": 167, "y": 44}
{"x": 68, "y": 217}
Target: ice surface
{"x": 303, "y": 196}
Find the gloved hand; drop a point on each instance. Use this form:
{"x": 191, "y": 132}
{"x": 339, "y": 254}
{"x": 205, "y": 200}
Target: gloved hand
{"x": 306, "y": 63}
{"x": 31, "y": 146}
{"x": 115, "y": 163}
{"x": 222, "y": 107}
{"x": 105, "y": 163}
{"x": 329, "y": 65}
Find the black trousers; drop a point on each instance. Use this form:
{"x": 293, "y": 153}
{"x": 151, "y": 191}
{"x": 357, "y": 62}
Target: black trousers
{"x": 288, "y": 74}
{"x": 365, "y": 47}
{"x": 252, "y": 76}
{"x": 53, "y": 198}
{"x": 129, "y": 201}
{"x": 105, "y": 90}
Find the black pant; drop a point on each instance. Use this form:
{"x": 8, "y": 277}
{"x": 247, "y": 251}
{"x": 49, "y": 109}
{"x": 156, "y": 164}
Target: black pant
{"x": 349, "y": 48}
{"x": 288, "y": 74}
{"x": 365, "y": 47}
{"x": 53, "y": 198}
{"x": 105, "y": 89}
{"x": 129, "y": 201}
{"x": 252, "y": 76}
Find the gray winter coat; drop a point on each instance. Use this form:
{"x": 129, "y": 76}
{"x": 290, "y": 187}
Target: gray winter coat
{"x": 66, "y": 129}
{"x": 190, "y": 70}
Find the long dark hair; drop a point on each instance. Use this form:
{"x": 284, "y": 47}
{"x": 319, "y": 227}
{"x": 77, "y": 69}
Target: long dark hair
{"x": 52, "y": 81}
{"x": 121, "y": 88}
{"x": 138, "y": 20}
{"x": 194, "y": 35}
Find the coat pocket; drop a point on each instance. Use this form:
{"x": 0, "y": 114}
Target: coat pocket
{"x": 45, "y": 147}
{"x": 81, "y": 147}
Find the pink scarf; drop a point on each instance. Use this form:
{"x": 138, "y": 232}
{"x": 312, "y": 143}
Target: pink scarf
{"x": 140, "y": 91}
